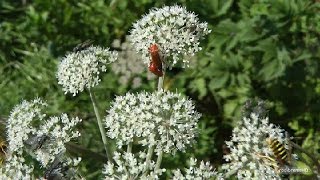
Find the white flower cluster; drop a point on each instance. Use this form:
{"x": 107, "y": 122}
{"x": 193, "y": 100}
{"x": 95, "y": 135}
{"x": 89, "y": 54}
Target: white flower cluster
{"x": 59, "y": 130}
{"x": 204, "y": 171}
{"x": 129, "y": 66}
{"x": 15, "y": 168}
{"x": 165, "y": 120}
{"x": 20, "y": 126}
{"x": 30, "y": 133}
{"x": 81, "y": 69}
{"x": 176, "y": 31}
{"x": 127, "y": 166}
{"x": 249, "y": 148}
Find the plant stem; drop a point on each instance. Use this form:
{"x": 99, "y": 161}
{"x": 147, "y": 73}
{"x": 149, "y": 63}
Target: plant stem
{"x": 148, "y": 159}
{"x": 101, "y": 128}
{"x": 159, "y": 160}
{"x": 313, "y": 158}
{"x": 129, "y": 147}
{"x": 160, "y": 81}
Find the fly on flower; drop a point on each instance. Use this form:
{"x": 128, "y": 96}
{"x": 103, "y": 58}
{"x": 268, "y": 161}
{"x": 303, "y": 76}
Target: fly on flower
{"x": 36, "y": 142}
{"x": 83, "y": 46}
{"x": 56, "y": 170}
{"x": 155, "y": 65}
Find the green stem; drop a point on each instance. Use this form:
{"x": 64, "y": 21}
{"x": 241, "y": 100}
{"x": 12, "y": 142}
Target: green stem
{"x": 148, "y": 159}
{"x": 101, "y": 128}
{"x": 312, "y": 157}
{"x": 129, "y": 147}
{"x": 159, "y": 160}
{"x": 160, "y": 81}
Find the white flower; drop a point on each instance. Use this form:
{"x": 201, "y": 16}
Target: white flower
{"x": 20, "y": 125}
{"x": 30, "y": 134}
{"x": 82, "y": 69}
{"x": 202, "y": 172}
{"x": 59, "y": 130}
{"x": 249, "y": 148}
{"x": 129, "y": 166}
{"x": 15, "y": 168}
{"x": 176, "y": 31}
{"x": 165, "y": 120}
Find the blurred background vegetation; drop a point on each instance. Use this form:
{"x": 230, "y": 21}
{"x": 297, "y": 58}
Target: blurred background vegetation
{"x": 258, "y": 48}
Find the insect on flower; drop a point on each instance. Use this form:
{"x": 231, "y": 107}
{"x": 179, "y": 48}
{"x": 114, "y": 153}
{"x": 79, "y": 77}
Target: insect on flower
{"x": 155, "y": 65}
{"x": 56, "y": 170}
{"x": 278, "y": 150}
{"x": 83, "y": 46}
{"x": 36, "y": 142}
{"x": 3, "y": 149}
{"x": 281, "y": 156}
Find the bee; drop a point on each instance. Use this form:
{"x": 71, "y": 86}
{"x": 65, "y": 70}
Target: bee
{"x": 3, "y": 150}
{"x": 36, "y": 142}
{"x": 155, "y": 65}
{"x": 279, "y": 151}
{"x": 3, "y": 143}
{"x": 82, "y": 46}
{"x": 281, "y": 158}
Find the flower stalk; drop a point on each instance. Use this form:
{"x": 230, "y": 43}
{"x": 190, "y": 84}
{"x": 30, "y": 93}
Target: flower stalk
{"x": 159, "y": 160}
{"x": 148, "y": 160}
{"x": 101, "y": 128}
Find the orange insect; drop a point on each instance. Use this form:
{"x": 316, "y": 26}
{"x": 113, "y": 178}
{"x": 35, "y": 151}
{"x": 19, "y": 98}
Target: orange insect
{"x": 156, "y": 64}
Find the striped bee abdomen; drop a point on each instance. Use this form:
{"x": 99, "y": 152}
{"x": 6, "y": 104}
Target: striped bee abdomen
{"x": 278, "y": 150}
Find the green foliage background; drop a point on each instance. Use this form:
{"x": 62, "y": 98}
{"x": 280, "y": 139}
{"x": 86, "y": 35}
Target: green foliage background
{"x": 258, "y": 48}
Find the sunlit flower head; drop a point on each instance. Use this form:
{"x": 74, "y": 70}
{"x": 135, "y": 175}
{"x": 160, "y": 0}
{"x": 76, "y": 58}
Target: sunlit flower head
{"x": 131, "y": 166}
{"x": 31, "y": 134}
{"x": 20, "y": 123}
{"x": 58, "y": 131}
{"x": 83, "y": 69}
{"x": 202, "y": 172}
{"x": 165, "y": 120}
{"x": 250, "y": 154}
{"x": 15, "y": 168}
{"x": 176, "y": 31}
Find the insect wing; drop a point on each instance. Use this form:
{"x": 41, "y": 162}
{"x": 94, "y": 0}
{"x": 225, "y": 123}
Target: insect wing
{"x": 56, "y": 170}
{"x": 36, "y": 142}
{"x": 83, "y": 46}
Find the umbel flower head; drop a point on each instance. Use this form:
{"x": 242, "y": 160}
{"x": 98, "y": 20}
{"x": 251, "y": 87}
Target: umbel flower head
{"x": 176, "y": 31}
{"x": 165, "y": 120}
{"x": 250, "y": 153}
{"x": 20, "y": 123}
{"x": 57, "y": 131}
{"x": 129, "y": 166}
{"x": 82, "y": 69}
{"x": 202, "y": 172}
{"x": 30, "y": 132}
